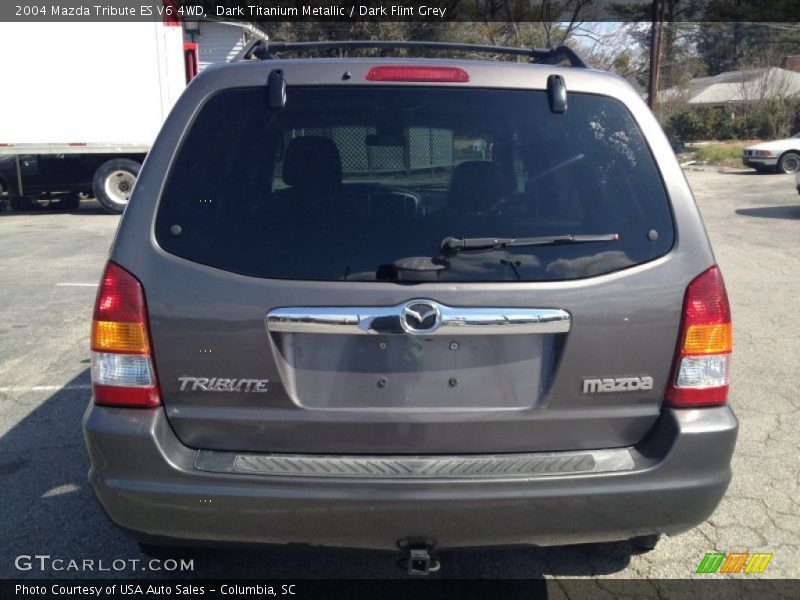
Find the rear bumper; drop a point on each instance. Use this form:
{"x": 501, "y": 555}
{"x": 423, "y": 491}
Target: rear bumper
{"x": 148, "y": 484}
{"x": 755, "y": 163}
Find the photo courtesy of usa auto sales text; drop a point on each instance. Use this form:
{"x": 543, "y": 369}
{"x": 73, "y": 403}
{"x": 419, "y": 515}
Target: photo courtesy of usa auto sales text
{"x": 135, "y": 589}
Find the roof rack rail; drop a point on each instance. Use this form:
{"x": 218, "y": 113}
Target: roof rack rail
{"x": 267, "y": 50}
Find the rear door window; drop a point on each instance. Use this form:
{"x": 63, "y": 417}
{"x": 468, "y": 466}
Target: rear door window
{"x": 364, "y": 183}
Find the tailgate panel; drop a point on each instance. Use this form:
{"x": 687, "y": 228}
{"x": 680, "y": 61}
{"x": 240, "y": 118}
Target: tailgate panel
{"x": 514, "y": 392}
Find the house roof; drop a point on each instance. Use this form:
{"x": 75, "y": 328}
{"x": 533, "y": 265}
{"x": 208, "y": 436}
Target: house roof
{"x": 735, "y": 87}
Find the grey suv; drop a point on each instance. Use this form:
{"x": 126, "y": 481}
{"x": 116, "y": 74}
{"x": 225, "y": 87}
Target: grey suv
{"x": 369, "y": 302}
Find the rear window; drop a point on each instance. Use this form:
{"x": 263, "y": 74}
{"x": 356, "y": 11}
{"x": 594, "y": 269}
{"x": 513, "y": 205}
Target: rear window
{"x": 364, "y": 183}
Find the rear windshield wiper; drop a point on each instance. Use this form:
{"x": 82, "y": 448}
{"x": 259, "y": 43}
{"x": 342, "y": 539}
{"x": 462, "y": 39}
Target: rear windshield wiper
{"x": 451, "y": 245}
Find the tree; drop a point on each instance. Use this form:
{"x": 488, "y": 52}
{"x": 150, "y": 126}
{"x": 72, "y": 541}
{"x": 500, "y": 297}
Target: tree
{"x": 723, "y": 46}
{"x": 665, "y": 43}
{"x": 608, "y": 46}
{"x": 726, "y": 46}
{"x": 497, "y": 22}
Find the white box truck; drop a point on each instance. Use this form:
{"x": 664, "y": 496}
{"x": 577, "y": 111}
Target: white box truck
{"x": 80, "y": 106}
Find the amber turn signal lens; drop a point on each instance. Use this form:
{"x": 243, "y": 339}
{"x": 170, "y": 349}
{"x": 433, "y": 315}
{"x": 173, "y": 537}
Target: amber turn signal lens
{"x": 111, "y": 336}
{"x": 708, "y": 339}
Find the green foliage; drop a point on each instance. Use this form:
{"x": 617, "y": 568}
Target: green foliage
{"x": 769, "y": 120}
{"x": 717, "y": 154}
{"x": 775, "y": 118}
{"x": 685, "y": 126}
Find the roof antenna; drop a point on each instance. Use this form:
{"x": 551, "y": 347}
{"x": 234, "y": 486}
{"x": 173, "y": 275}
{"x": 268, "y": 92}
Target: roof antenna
{"x": 557, "y": 94}
{"x": 277, "y": 89}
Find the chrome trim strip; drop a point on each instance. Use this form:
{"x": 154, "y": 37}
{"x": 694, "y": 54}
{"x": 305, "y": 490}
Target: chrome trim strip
{"x": 497, "y": 466}
{"x": 387, "y": 320}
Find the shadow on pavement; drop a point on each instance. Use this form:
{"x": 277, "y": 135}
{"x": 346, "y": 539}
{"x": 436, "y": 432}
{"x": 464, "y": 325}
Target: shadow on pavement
{"x": 752, "y": 172}
{"x": 50, "y": 509}
{"x": 87, "y": 207}
{"x": 771, "y": 212}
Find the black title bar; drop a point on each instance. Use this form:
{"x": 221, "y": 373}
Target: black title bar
{"x": 265, "y": 11}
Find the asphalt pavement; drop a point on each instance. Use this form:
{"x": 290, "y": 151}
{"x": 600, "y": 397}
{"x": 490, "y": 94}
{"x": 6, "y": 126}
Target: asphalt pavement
{"x": 50, "y": 264}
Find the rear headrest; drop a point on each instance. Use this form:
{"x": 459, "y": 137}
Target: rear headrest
{"x": 312, "y": 161}
{"x": 475, "y": 185}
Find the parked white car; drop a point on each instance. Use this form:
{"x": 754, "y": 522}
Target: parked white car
{"x": 782, "y": 156}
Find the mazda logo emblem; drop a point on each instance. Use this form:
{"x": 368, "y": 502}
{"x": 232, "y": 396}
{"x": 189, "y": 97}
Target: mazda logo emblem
{"x": 420, "y": 316}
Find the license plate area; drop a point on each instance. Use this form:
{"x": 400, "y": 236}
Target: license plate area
{"x": 412, "y": 372}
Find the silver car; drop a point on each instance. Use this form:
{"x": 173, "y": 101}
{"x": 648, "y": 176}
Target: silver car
{"x": 410, "y": 302}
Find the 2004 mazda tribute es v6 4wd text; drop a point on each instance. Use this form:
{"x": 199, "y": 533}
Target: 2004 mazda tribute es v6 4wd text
{"x": 381, "y": 302}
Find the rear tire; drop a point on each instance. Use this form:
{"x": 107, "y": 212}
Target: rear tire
{"x": 644, "y": 543}
{"x": 789, "y": 162}
{"x": 113, "y": 183}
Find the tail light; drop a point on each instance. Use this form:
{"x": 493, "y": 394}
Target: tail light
{"x": 413, "y": 73}
{"x": 702, "y": 362}
{"x": 122, "y": 365}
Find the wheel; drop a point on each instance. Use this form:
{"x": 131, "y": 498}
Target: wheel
{"x": 644, "y": 543}
{"x": 23, "y": 203}
{"x": 789, "y": 163}
{"x": 113, "y": 183}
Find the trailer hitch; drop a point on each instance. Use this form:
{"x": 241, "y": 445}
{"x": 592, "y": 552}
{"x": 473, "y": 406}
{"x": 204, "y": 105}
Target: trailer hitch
{"x": 417, "y": 559}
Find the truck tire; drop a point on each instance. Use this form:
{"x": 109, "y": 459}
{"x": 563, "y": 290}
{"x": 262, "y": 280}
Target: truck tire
{"x": 113, "y": 182}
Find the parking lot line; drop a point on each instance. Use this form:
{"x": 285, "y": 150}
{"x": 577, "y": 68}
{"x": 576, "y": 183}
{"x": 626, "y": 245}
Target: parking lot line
{"x": 44, "y": 388}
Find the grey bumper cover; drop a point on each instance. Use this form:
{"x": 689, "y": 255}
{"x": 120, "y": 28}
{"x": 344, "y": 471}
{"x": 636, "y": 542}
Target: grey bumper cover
{"x": 152, "y": 485}
{"x": 752, "y": 161}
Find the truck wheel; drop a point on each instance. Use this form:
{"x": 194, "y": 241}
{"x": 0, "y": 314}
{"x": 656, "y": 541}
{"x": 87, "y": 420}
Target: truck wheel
{"x": 789, "y": 163}
{"x": 113, "y": 182}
